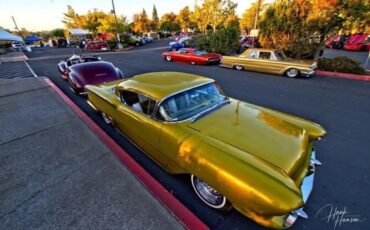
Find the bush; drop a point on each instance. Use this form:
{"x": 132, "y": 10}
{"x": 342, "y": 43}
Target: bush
{"x": 340, "y": 64}
{"x": 223, "y": 41}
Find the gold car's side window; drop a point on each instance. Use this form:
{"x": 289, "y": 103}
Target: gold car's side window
{"x": 264, "y": 55}
{"x": 138, "y": 102}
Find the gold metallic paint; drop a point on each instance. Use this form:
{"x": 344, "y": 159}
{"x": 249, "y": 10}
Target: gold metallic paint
{"x": 278, "y": 67}
{"x": 252, "y": 155}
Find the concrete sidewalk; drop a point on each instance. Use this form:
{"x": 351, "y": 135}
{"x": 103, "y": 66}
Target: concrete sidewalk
{"x": 56, "y": 174}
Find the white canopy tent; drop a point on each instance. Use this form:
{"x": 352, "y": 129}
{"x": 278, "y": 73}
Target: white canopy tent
{"x": 78, "y": 32}
{"x": 6, "y": 36}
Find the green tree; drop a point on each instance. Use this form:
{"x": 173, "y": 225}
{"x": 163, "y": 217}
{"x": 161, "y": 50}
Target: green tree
{"x": 301, "y": 26}
{"x": 108, "y": 24}
{"x": 141, "y": 22}
{"x": 57, "y": 33}
{"x": 169, "y": 22}
{"x": 72, "y": 20}
{"x": 184, "y": 18}
{"x": 232, "y": 21}
{"x": 155, "y": 19}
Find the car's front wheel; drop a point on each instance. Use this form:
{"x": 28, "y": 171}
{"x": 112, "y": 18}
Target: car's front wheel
{"x": 168, "y": 58}
{"x": 239, "y": 67}
{"x": 209, "y": 195}
{"x": 292, "y": 73}
{"x": 72, "y": 87}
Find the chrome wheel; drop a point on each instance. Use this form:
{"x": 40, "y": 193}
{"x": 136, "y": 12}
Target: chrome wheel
{"x": 209, "y": 195}
{"x": 292, "y": 73}
{"x": 193, "y": 63}
{"x": 168, "y": 58}
{"x": 71, "y": 87}
{"x": 239, "y": 67}
{"x": 107, "y": 119}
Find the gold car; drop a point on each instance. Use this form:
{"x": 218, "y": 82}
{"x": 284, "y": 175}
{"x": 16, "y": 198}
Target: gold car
{"x": 269, "y": 61}
{"x": 259, "y": 161}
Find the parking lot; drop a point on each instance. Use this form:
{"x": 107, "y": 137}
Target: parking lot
{"x": 342, "y": 106}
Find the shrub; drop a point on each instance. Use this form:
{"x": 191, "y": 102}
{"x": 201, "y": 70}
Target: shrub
{"x": 340, "y": 64}
{"x": 223, "y": 41}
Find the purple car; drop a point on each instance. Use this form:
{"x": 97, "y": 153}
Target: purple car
{"x": 91, "y": 73}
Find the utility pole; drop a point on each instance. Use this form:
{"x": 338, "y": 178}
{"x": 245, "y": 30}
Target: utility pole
{"x": 16, "y": 26}
{"x": 119, "y": 45}
{"x": 256, "y": 19}
{"x": 257, "y": 13}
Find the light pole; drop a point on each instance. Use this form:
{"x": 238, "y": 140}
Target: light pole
{"x": 256, "y": 18}
{"x": 119, "y": 45}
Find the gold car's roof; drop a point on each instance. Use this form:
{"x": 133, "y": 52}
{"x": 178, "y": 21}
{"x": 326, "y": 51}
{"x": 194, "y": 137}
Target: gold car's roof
{"x": 159, "y": 85}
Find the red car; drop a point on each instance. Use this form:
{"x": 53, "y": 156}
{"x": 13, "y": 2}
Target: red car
{"x": 192, "y": 56}
{"x": 97, "y": 46}
{"x": 357, "y": 42}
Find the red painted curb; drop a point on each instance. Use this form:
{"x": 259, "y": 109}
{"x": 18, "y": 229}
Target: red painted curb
{"x": 343, "y": 75}
{"x": 184, "y": 215}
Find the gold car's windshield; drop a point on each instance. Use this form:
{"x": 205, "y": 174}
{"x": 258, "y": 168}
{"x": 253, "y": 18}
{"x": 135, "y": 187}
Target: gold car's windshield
{"x": 190, "y": 103}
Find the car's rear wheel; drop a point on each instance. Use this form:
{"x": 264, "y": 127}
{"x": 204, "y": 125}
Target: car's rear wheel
{"x": 107, "y": 119}
{"x": 292, "y": 73}
{"x": 239, "y": 67}
{"x": 168, "y": 58}
{"x": 209, "y": 195}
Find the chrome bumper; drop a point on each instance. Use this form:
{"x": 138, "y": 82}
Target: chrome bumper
{"x": 306, "y": 188}
{"x": 308, "y": 73}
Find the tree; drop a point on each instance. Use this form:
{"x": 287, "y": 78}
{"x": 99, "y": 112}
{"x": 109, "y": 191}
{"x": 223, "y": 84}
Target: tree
{"x": 184, "y": 18}
{"x": 249, "y": 16}
{"x": 155, "y": 19}
{"x": 141, "y": 22}
{"x": 232, "y": 21}
{"x": 301, "y": 26}
{"x": 108, "y": 24}
{"x": 169, "y": 22}
{"x": 218, "y": 11}
{"x": 57, "y": 33}
{"x": 72, "y": 20}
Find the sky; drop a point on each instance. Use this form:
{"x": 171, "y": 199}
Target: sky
{"x": 37, "y": 15}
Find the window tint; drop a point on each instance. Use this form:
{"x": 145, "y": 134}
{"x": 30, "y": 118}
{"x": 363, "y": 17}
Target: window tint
{"x": 138, "y": 102}
{"x": 264, "y": 55}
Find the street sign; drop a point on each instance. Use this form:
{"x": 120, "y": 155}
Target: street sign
{"x": 254, "y": 33}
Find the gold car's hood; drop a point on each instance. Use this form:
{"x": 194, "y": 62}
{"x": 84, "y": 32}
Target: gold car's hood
{"x": 260, "y": 132}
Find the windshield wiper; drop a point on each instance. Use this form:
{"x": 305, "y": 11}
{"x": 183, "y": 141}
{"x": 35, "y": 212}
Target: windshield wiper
{"x": 207, "y": 111}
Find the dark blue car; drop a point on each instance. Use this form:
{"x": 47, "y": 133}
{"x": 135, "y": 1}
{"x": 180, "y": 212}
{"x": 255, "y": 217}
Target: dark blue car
{"x": 178, "y": 45}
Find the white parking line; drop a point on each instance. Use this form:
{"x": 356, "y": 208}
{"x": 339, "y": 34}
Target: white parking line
{"x": 31, "y": 70}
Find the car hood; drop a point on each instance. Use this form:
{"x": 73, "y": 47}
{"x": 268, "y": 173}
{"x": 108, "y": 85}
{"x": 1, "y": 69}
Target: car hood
{"x": 256, "y": 131}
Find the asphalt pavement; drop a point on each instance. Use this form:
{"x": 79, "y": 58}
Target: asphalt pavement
{"x": 56, "y": 174}
{"x": 342, "y": 106}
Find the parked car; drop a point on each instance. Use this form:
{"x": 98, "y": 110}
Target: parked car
{"x": 192, "y": 56}
{"x": 357, "y": 42}
{"x": 17, "y": 46}
{"x": 135, "y": 41}
{"x": 91, "y": 73}
{"x": 63, "y": 66}
{"x": 336, "y": 41}
{"x": 61, "y": 43}
{"x": 257, "y": 160}
{"x": 270, "y": 61}
{"x": 181, "y": 43}
{"x": 97, "y": 46}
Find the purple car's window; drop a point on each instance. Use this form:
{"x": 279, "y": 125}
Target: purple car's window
{"x": 189, "y": 103}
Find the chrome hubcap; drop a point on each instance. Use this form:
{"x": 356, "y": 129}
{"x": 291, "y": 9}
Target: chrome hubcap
{"x": 168, "y": 58}
{"x": 292, "y": 73}
{"x": 208, "y": 194}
